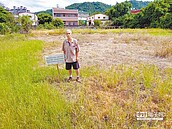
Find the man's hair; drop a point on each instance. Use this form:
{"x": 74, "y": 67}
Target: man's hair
{"x": 68, "y": 31}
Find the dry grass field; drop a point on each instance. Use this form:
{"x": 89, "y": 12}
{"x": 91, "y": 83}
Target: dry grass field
{"x": 113, "y": 49}
{"x": 123, "y": 72}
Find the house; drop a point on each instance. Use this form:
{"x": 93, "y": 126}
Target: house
{"x": 69, "y": 17}
{"x": 17, "y": 10}
{"x": 32, "y": 16}
{"x": 22, "y": 11}
{"x": 102, "y": 17}
{"x": 135, "y": 11}
{"x": 83, "y": 17}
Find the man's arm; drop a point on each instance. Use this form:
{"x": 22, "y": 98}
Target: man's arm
{"x": 77, "y": 55}
{"x": 77, "y": 50}
{"x": 64, "y": 52}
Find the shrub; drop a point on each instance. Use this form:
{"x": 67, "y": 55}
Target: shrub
{"x": 58, "y": 23}
{"x": 97, "y": 23}
{"x": 49, "y": 26}
{"x": 4, "y": 28}
{"x": 166, "y": 21}
{"x": 25, "y": 23}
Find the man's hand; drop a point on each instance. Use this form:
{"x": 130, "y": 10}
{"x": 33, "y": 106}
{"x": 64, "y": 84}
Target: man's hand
{"x": 65, "y": 57}
{"x": 76, "y": 59}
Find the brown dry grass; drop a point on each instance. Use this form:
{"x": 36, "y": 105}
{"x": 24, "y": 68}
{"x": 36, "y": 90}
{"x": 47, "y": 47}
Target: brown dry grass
{"x": 114, "y": 49}
{"x": 164, "y": 49}
{"x": 115, "y": 86}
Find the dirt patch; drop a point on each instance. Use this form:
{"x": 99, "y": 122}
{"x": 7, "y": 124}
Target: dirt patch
{"x": 110, "y": 49}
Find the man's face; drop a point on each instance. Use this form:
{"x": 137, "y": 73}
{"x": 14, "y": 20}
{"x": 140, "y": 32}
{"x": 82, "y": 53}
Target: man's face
{"x": 68, "y": 34}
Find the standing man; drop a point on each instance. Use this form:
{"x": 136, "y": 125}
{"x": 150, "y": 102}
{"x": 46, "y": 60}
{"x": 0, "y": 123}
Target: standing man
{"x": 71, "y": 49}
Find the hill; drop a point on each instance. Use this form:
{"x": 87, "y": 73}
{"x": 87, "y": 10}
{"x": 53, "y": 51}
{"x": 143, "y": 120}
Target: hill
{"x": 90, "y": 7}
{"x": 139, "y": 4}
{"x": 93, "y": 7}
{"x": 48, "y": 11}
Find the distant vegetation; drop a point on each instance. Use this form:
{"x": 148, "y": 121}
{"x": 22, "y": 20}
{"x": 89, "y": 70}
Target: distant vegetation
{"x": 139, "y": 4}
{"x": 7, "y": 22}
{"x": 46, "y": 21}
{"x": 90, "y": 7}
{"x": 48, "y": 11}
{"x": 93, "y": 7}
{"x": 154, "y": 15}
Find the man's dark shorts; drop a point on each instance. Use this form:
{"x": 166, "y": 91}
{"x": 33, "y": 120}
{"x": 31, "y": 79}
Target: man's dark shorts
{"x": 75, "y": 65}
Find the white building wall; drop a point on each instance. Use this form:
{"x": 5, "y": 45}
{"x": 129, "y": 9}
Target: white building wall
{"x": 103, "y": 18}
{"x": 32, "y": 16}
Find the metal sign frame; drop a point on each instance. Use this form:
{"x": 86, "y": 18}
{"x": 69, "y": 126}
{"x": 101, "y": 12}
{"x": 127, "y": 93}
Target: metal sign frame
{"x": 55, "y": 60}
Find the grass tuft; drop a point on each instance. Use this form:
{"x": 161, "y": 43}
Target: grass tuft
{"x": 164, "y": 50}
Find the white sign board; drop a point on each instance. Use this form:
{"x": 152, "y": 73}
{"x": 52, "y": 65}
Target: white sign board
{"x": 54, "y": 59}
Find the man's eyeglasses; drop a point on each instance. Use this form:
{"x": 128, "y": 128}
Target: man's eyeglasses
{"x": 67, "y": 33}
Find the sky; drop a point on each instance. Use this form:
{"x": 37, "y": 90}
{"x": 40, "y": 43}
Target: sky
{"x": 41, "y": 5}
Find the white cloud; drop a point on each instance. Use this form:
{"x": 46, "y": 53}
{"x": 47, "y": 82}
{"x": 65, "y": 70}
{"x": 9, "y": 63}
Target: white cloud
{"x": 35, "y": 5}
{"x": 40, "y": 5}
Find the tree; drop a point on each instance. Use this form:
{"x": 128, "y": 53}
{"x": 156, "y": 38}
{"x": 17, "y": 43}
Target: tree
{"x": 166, "y": 21}
{"x": 137, "y": 21}
{"x": 4, "y": 28}
{"x": 43, "y": 18}
{"x": 152, "y": 16}
{"x": 97, "y": 23}
{"x": 58, "y": 23}
{"x": 25, "y": 23}
{"x": 7, "y": 19}
{"x": 127, "y": 20}
{"x": 48, "y": 26}
{"x": 119, "y": 10}
{"x": 153, "y": 12}
{"x": 5, "y": 16}
{"x": 82, "y": 23}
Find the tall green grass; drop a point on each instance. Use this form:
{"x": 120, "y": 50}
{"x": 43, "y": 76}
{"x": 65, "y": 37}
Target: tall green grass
{"x": 26, "y": 99}
{"x": 154, "y": 32}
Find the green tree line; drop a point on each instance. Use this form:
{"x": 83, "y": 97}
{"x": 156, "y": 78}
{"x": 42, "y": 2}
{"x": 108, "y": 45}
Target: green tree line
{"x": 156, "y": 14}
{"x": 46, "y": 21}
{"x": 9, "y": 24}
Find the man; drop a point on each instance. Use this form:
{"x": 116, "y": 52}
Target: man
{"x": 71, "y": 49}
